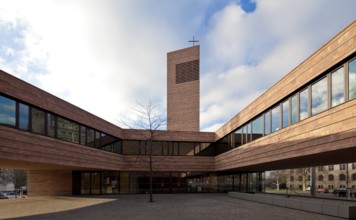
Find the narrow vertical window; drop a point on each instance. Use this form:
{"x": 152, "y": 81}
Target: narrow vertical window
{"x": 248, "y": 133}
{"x": 276, "y": 113}
{"x": 238, "y": 137}
{"x": 257, "y": 128}
{"x": 352, "y": 79}
{"x": 337, "y": 87}
{"x": 23, "y": 116}
{"x": 37, "y": 121}
{"x": 267, "y": 123}
{"x": 304, "y": 104}
{"x": 285, "y": 115}
{"x": 51, "y": 125}
{"x": 319, "y": 96}
{"x": 294, "y": 109}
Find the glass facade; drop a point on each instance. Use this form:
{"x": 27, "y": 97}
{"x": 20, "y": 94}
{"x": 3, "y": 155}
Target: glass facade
{"x": 352, "y": 79}
{"x": 337, "y": 87}
{"x": 257, "y": 128}
{"x": 38, "y": 121}
{"x": 276, "y": 118}
{"x": 24, "y": 117}
{"x": 285, "y": 114}
{"x": 319, "y": 100}
{"x": 294, "y": 109}
{"x": 7, "y": 111}
{"x": 325, "y": 92}
{"x": 304, "y": 104}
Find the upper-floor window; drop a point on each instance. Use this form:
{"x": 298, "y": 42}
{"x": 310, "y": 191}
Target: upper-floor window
{"x": 276, "y": 121}
{"x": 342, "y": 166}
{"x": 285, "y": 114}
{"x": 7, "y": 111}
{"x": 337, "y": 87}
{"x": 352, "y": 79}
{"x": 267, "y": 119}
{"x": 294, "y": 109}
{"x": 257, "y": 128}
{"x": 304, "y": 104}
{"x": 319, "y": 96}
{"x": 354, "y": 166}
{"x": 23, "y": 116}
{"x": 37, "y": 121}
{"x": 331, "y": 167}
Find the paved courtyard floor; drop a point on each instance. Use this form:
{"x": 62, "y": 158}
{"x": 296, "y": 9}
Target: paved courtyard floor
{"x": 166, "y": 206}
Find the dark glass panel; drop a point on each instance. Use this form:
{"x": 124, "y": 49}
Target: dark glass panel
{"x": 24, "y": 116}
{"x": 196, "y": 148}
{"x": 7, "y": 111}
{"x": 83, "y": 131}
{"x": 238, "y": 137}
{"x": 319, "y": 96}
{"x": 248, "y": 133}
{"x": 294, "y": 109}
{"x": 90, "y": 137}
{"x": 257, "y": 128}
{"x": 110, "y": 182}
{"x": 304, "y": 104}
{"x": 285, "y": 114}
{"x": 51, "y": 124}
{"x": 38, "y": 121}
{"x": 337, "y": 87}
{"x": 130, "y": 147}
{"x": 85, "y": 183}
{"x": 267, "y": 118}
{"x": 95, "y": 183}
{"x": 352, "y": 79}
{"x": 157, "y": 148}
{"x": 276, "y": 113}
{"x": 165, "y": 148}
{"x": 186, "y": 148}
{"x": 67, "y": 130}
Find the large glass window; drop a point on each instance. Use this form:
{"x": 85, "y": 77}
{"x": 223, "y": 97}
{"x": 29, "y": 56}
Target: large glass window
{"x": 186, "y": 148}
{"x": 319, "y": 96}
{"x": 285, "y": 115}
{"x": 248, "y": 133}
{"x": 294, "y": 109}
{"x": 90, "y": 137}
{"x": 337, "y": 87}
{"x": 238, "y": 138}
{"x": 257, "y": 128}
{"x": 352, "y": 79}
{"x": 276, "y": 121}
{"x": 7, "y": 111}
{"x": 304, "y": 104}
{"x": 23, "y": 116}
{"x": 83, "y": 131}
{"x": 267, "y": 123}
{"x": 130, "y": 147}
{"x": 67, "y": 130}
{"x": 51, "y": 124}
{"x": 38, "y": 121}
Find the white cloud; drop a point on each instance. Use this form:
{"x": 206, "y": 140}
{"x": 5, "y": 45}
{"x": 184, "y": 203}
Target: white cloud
{"x": 248, "y": 53}
{"x": 104, "y": 56}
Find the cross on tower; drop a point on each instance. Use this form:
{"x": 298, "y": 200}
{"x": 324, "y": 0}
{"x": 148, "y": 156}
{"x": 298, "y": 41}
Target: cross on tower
{"x": 193, "y": 41}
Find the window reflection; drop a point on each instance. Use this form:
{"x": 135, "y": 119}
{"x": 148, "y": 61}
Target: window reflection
{"x": 294, "y": 109}
{"x": 319, "y": 96}
{"x": 23, "y": 116}
{"x": 337, "y": 87}
{"x": 276, "y": 113}
{"x": 67, "y": 130}
{"x": 38, "y": 121}
{"x": 304, "y": 104}
{"x": 285, "y": 115}
{"x": 352, "y": 79}
{"x": 257, "y": 128}
{"x": 51, "y": 124}
{"x": 238, "y": 137}
{"x": 7, "y": 111}
{"x": 267, "y": 123}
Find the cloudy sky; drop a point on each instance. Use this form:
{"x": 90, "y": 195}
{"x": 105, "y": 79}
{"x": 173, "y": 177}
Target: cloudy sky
{"x": 106, "y": 55}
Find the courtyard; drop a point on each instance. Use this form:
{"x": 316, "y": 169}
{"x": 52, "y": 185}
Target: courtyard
{"x": 166, "y": 206}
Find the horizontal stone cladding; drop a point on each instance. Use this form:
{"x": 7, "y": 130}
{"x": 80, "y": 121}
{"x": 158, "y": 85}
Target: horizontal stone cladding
{"x": 327, "y": 138}
{"x": 30, "y": 94}
{"x": 333, "y": 52}
{"x": 185, "y": 136}
{"x": 30, "y": 151}
{"x": 182, "y": 98}
{"x": 49, "y": 183}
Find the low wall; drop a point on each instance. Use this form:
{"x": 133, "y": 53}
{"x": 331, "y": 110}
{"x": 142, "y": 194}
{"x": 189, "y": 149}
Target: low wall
{"x": 327, "y": 207}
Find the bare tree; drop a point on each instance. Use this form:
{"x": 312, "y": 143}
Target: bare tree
{"x": 303, "y": 172}
{"x": 279, "y": 177}
{"x": 150, "y": 120}
{"x": 6, "y": 176}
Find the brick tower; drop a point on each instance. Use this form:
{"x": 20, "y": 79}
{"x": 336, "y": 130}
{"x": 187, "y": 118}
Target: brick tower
{"x": 183, "y": 89}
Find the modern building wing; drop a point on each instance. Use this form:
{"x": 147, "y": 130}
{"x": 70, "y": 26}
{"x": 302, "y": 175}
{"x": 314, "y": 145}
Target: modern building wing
{"x": 308, "y": 118}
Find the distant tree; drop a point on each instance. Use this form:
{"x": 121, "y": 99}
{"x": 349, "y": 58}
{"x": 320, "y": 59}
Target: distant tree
{"x": 279, "y": 177}
{"x": 303, "y": 172}
{"x": 6, "y": 176}
{"x": 150, "y": 120}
